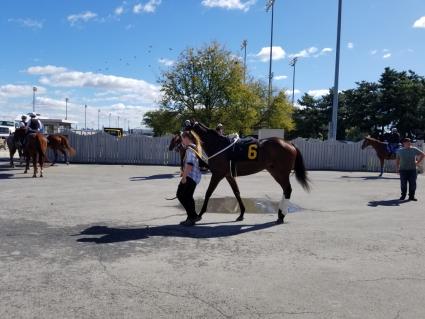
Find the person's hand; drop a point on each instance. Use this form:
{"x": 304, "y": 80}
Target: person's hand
{"x": 183, "y": 181}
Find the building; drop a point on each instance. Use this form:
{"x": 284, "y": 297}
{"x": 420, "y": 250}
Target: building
{"x": 52, "y": 125}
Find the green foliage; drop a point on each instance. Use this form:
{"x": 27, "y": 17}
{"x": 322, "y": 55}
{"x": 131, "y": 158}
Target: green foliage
{"x": 207, "y": 84}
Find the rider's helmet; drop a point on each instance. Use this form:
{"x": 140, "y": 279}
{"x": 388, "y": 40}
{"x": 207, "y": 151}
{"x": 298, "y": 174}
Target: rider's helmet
{"x": 394, "y": 130}
{"x": 33, "y": 115}
{"x": 219, "y": 126}
{"x": 23, "y": 117}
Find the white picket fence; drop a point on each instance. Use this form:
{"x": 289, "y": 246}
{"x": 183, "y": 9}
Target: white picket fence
{"x": 103, "y": 148}
{"x": 344, "y": 156}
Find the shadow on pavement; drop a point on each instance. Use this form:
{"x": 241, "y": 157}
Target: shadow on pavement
{"x": 369, "y": 177}
{"x": 6, "y": 176}
{"x": 114, "y": 235}
{"x": 152, "y": 177}
{"x": 390, "y": 202}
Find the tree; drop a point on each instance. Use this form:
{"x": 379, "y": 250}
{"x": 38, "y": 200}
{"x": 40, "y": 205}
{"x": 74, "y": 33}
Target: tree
{"x": 162, "y": 121}
{"x": 279, "y": 115}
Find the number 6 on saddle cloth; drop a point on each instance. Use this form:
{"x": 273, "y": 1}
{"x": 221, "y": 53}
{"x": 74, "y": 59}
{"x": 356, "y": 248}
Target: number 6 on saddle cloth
{"x": 245, "y": 149}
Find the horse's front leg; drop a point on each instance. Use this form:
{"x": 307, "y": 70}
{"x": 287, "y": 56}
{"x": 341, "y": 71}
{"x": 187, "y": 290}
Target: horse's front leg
{"x": 65, "y": 155}
{"x": 55, "y": 152}
{"x": 27, "y": 163}
{"x": 41, "y": 162}
{"x": 382, "y": 160}
{"x": 12, "y": 154}
{"x": 235, "y": 190}
{"x": 34, "y": 163}
{"x": 215, "y": 179}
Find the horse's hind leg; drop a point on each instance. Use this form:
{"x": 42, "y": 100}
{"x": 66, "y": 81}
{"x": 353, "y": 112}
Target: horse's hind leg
{"x": 34, "y": 163}
{"x": 382, "y": 166}
{"x": 55, "y": 152}
{"x": 215, "y": 179}
{"x": 41, "y": 162}
{"x": 283, "y": 179}
{"x": 235, "y": 190}
{"x": 65, "y": 155}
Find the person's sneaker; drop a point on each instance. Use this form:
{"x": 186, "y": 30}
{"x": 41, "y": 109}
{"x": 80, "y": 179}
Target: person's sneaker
{"x": 403, "y": 197}
{"x": 413, "y": 198}
{"x": 188, "y": 222}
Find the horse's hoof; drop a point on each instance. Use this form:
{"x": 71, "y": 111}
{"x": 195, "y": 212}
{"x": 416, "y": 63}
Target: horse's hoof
{"x": 239, "y": 219}
{"x": 67, "y": 163}
{"x": 279, "y": 221}
{"x": 34, "y": 176}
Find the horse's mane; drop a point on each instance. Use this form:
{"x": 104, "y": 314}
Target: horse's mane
{"x": 373, "y": 139}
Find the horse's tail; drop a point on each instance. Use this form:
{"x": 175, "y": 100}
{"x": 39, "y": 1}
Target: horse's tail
{"x": 68, "y": 147}
{"x": 300, "y": 171}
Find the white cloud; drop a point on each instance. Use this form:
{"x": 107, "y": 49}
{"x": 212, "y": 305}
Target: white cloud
{"x": 119, "y": 10}
{"x": 420, "y": 23}
{"x": 28, "y": 23}
{"x": 75, "y": 19}
{"x": 15, "y": 91}
{"x": 62, "y": 77}
{"x": 148, "y": 7}
{"x": 386, "y": 55}
{"x": 278, "y": 53}
{"x": 47, "y": 69}
{"x": 280, "y": 77}
{"x": 166, "y": 62}
{"x": 306, "y": 53}
{"x": 318, "y": 93}
{"x": 289, "y": 92}
{"x": 350, "y": 45}
{"x": 229, "y": 4}
{"x": 326, "y": 50}
{"x": 373, "y": 52}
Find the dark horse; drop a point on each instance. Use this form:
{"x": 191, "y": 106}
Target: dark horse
{"x": 275, "y": 155}
{"x": 14, "y": 146}
{"x": 176, "y": 145}
{"x": 35, "y": 148}
{"x": 381, "y": 150}
{"x": 59, "y": 142}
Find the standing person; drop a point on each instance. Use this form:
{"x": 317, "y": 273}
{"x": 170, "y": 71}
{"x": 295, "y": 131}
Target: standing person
{"x": 407, "y": 159}
{"x": 191, "y": 176}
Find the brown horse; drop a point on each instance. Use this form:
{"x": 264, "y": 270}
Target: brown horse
{"x": 35, "y": 148}
{"x": 381, "y": 150}
{"x": 59, "y": 142}
{"x": 275, "y": 155}
{"x": 14, "y": 146}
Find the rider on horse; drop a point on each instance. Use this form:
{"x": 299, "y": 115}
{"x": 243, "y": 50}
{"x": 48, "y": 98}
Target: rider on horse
{"x": 23, "y": 122}
{"x": 393, "y": 141}
{"x": 34, "y": 125}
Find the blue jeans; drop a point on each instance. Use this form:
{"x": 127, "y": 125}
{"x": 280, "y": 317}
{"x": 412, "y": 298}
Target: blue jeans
{"x": 408, "y": 176}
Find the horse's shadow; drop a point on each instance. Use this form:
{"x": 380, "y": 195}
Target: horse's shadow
{"x": 389, "y": 202}
{"x": 152, "y": 177}
{"x": 201, "y": 231}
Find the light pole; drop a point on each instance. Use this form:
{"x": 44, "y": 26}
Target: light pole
{"x": 85, "y": 117}
{"x": 332, "y": 134}
{"x": 109, "y": 119}
{"x": 66, "y": 108}
{"x": 34, "y": 89}
{"x": 293, "y": 63}
{"x": 270, "y": 5}
{"x": 118, "y": 121}
{"x": 98, "y": 119}
{"x": 243, "y": 47}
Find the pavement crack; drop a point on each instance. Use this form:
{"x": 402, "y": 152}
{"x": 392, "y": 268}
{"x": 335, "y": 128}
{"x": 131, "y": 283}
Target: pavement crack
{"x": 141, "y": 290}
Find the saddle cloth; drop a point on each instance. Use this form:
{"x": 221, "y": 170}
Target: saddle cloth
{"x": 245, "y": 149}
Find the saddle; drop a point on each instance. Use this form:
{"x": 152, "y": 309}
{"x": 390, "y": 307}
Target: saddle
{"x": 392, "y": 149}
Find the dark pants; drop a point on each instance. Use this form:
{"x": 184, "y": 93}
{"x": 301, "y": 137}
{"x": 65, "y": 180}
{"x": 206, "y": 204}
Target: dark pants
{"x": 408, "y": 176}
{"x": 185, "y": 196}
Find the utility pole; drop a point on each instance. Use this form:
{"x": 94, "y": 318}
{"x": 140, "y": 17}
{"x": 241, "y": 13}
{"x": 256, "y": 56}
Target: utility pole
{"x": 34, "y": 89}
{"x": 66, "y": 108}
{"x": 109, "y": 119}
{"x": 118, "y": 121}
{"x": 270, "y": 5}
{"x": 243, "y": 47}
{"x": 85, "y": 117}
{"x": 293, "y": 63}
{"x": 332, "y": 134}
{"x": 98, "y": 119}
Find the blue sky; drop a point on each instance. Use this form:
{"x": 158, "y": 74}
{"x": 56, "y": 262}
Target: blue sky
{"x": 108, "y": 54}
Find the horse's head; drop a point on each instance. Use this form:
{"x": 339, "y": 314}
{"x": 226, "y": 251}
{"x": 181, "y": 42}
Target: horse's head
{"x": 175, "y": 142}
{"x": 19, "y": 133}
